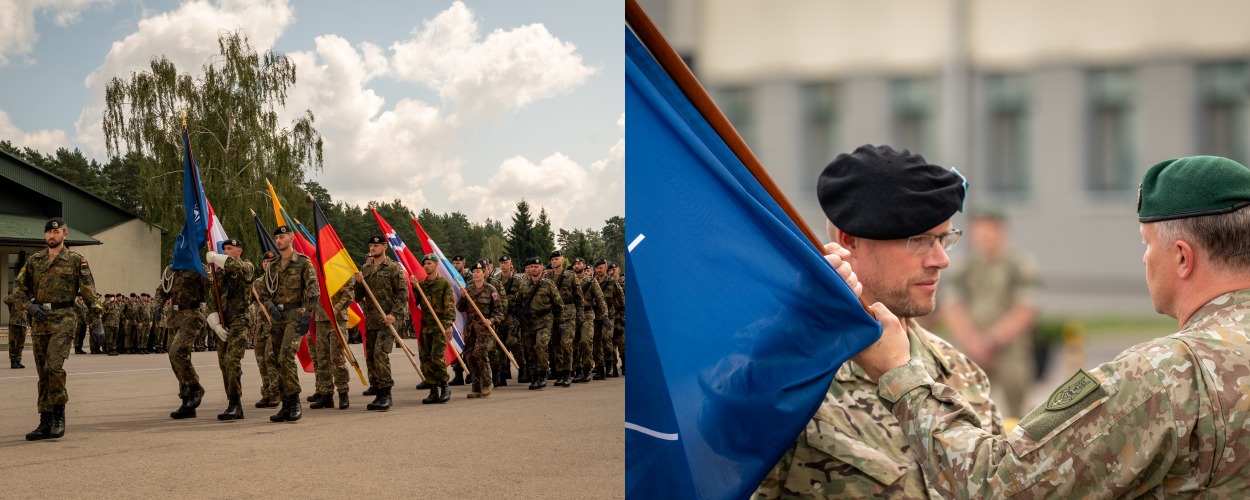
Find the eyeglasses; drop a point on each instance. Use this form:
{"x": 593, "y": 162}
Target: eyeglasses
{"x": 924, "y": 242}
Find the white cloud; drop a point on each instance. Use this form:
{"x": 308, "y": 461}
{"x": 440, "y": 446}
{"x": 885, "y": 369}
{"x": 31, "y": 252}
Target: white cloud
{"x": 45, "y": 141}
{"x": 621, "y": 123}
{"x": 187, "y": 36}
{"x": 17, "y": 22}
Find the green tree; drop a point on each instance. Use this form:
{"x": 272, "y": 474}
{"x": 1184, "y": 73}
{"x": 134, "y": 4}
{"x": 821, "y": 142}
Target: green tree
{"x": 544, "y": 240}
{"x": 520, "y": 234}
{"x": 614, "y": 240}
{"x": 235, "y": 136}
{"x": 493, "y": 248}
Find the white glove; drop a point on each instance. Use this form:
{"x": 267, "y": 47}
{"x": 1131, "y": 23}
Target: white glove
{"x": 216, "y": 258}
{"x": 214, "y": 322}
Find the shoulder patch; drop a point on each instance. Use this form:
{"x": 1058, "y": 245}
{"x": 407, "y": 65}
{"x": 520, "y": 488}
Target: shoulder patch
{"x": 1072, "y": 392}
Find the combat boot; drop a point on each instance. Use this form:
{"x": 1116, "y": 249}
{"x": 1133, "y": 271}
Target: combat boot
{"x": 78, "y": 350}
{"x": 444, "y": 393}
{"x": 459, "y": 378}
{"x": 45, "y": 425}
{"x": 285, "y": 413}
{"x": 485, "y": 390}
{"x": 586, "y": 375}
{"x": 377, "y": 400}
{"x": 542, "y": 378}
{"x": 612, "y": 371}
{"x": 195, "y": 397}
{"x": 433, "y": 397}
{"x": 534, "y": 383}
{"x": 296, "y": 412}
{"x": 369, "y": 392}
{"x": 507, "y": 374}
{"x": 343, "y": 402}
{"x": 577, "y": 379}
{"x": 322, "y": 401}
{"x": 316, "y": 396}
{"x": 113, "y": 352}
{"x": 263, "y": 403}
{"x": 183, "y": 411}
{"x": 523, "y": 376}
{"x": 599, "y": 373}
{"x": 503, "y": 378}
{"x": 384, "y": 400}
{"x": 468, "y": 378}
{"x": 562, "y": 379}
{"x": 425, "y": 384}
{"x": 234, "y": 411}
{"x": 16, "y": 365}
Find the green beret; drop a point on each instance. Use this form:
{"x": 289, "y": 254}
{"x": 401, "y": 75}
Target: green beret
{"x": 429, "y": 256}
{"x": 1192, "y": 187}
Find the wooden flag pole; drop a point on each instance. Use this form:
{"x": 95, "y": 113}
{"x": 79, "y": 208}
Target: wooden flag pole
{"x": 426, "y": 301}
{"x": 351, "y": 356}
{"x": 492, "y": 332}
{"x": 254, "y": 294}
{"x": 398, "y": 340}
{"x": 685, "y": 80}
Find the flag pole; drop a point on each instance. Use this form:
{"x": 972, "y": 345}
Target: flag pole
{"x": 685, "y": 80}
{"x": 492, "y": 332}
{"x": 460, "y": 356}
{"x": 407, "y": 351}
{"x": 195, "y": 170}
{"x": 351, "y": 356}
{"x": 254, "y": 294}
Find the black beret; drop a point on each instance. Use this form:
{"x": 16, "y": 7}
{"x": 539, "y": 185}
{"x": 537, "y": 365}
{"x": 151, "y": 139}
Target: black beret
{"x": 108, "y": 295}
{"x": 613, "y": 266}
{"x": 579, "y": 259}
{"x": 484, "y": 262}
{"x": 477, "y": 265}
{"x": 144, "y": 295}
{"x": 882, "y": 194}
{"x": 556, "y": 254}
{"x": 283, "y": 229}
{"x": 505, "y": 258}
{"x": 600, "y": 262}
{"x": 377, "y": 239}
{"x": 134, "y": 296}
{"x": 53, "y": 223}
{"x": 232, "y": 242}
{"x": 532, "y": 261}
{"x": 457, "y": 258}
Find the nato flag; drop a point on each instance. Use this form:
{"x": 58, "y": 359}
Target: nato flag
{"x": 730, "y": 356}
{"x": 194, "y": 235}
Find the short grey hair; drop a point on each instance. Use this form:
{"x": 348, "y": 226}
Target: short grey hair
{"x": 1224, "y": 238}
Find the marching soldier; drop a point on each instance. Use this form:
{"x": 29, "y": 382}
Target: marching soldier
{"x": 478, "y": 340}
{"x": 498, "y": 360}
{"x": 113, "y": 325}
{"x": 433, "y": 341}
{"x": 185, "y": 290}
{"x": 266, "y": 362}
{"x": 618, "y": 326}
{"x": 565, "y": 281}
{"x": 17, "y": 326}
{"x": 329, "y": 361}
{"x": 539, "y": 307}
{"x": 80, "y": 324}
{"x": 614, "y": 299}
{"x": 385, "y": 279}
{"x": 593, "y": 311}
{"x": 229, "y": 320}
{"x": 51, "y": 278}
{"x": 511, "y": 337}
{"x": 457, "y": 261}
{"x": 289, "y": 293}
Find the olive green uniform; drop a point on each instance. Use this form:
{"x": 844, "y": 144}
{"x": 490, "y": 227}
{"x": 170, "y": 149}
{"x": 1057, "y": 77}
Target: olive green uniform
{"x": 433, "y": 342}
{"x": 290, "y": 284}
{"x": 386, "y": 281}
{"x": 234, "y": 286}
{"x": 186, "y": 290}
{"x": 329, "y": 360}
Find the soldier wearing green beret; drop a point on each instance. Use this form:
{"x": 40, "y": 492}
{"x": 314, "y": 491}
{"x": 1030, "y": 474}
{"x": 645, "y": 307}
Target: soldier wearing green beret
{"x": 433, "y": 342}
{"x": 1165, "y": 419}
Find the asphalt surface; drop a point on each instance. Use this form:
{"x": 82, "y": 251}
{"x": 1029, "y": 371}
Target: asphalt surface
{"x": 120, "y": 442}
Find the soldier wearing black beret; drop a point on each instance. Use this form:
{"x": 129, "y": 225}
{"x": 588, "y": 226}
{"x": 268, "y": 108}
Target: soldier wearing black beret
{"x": 457, "y": 261}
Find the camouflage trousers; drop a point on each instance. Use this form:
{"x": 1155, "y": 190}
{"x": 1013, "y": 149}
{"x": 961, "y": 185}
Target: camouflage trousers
{"x": 512, "y": 340}
{"x": 535, "y": 338}
{"x": 266, "y": 362}
{"x": 142, "y": 336}
{"x": 187, "y": 325}
{"x": 80, "y": 334}
{"x": 230, "y": 356}
{"x": 284, "y": 341}
{"x": 17, "y": 342}
{"x": 618, "y": 343}
{"x": 584, "y": 343}
{"x": 602, "y": 344}
{"x": 110, "y": 338}
{"x": 477, "y": 346}
{"x": 51, "y": 341}
{"x": 329, "y": 361}
{"x": 562, "y": 344}
{"x": 128, "y": 336}
{"x": 378, "y": 346}
{"x": 431, "y": 347}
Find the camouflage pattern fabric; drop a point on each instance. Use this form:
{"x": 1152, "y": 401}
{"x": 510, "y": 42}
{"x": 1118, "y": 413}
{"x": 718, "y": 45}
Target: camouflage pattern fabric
{"x": 112, "y": 326}
{"x": 17, "y": 343}
{"x": 433, "y": 342}
{"x": 547, "y": 309}
{"x": 294, "y": 280}
{"x": 605, "y": 345}
{"x": 510, "y": 335}
{"x": 80, "y": 323}
{"x": 230, "y": 356}
{"x": 596, "y": 307}
{"x": 145, "y": 330}
{"x": 329, "y": 360}
{"x": 18, "y": 323}
{"x": 130, "y": 323}
{"x": 854, "y": 448}
{"x": 386, "y": 281}
{"x": 1167, "y": 418}
{"x": 571, "y": 296}
{"x": 55, "y": 280}
{"x": 378, "y": 347}
{"x": 498, "y": 361}
{"x": 186, "y": 290}
{"x": 265, "y": 360}
{"x": 478, "y": 341}
{"x": 234, "y": 282}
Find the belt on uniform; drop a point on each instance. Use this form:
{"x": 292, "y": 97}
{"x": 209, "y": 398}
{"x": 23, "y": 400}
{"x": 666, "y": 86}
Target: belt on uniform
{"x": 290, "y": 306}
{"x": 231, "y": 314}
{"x": 187, "y": 307}
{"x": 588, "y": 308}
{"x": 52, "y": 306}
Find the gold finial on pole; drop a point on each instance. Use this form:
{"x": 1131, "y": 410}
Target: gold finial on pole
{"x": 183, "y": 112}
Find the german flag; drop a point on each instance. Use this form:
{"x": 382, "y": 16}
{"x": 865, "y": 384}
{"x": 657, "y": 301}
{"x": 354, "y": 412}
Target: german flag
{"x": 335, "y": 268}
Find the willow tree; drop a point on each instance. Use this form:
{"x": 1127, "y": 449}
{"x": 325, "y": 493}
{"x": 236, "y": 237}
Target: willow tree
{"x": 235, "y": 135}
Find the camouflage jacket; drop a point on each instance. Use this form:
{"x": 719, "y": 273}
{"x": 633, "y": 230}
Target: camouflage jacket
{"x": 386, "y": 281}
{"x": 290, "y": 281}
{"x": 340, "y": 301}
{"x": 508, "y": 291}
{"x": 546, "y": 299}
{"x": 17, "y": 306}
{"x": 438, "y": 291}
{"x": 854, "y": 448}
{"x": 594, "y": 296}
{"x": 57, "y": 280}
{"x": 1168, "y": 418}
{"x": 113, "y": 318}
{"x": 494, "y": 281}
{"x": 81, "y": 311}
{"x": 234, "y": 282}
{"x": 183, "y": 289}
{"x": 566, "y": 283}
{"x": 614, "y": 295}
{"x": 148, "y": 312}
{"x": 488, "y": 301}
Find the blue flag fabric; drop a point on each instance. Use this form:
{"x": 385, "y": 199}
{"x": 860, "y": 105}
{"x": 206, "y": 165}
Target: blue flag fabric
{"x": 194, "y": 231}
{"x": 730, "y": 357}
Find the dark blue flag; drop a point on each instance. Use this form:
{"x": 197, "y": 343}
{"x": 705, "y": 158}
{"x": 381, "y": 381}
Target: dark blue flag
{"x": 732, "y": 351}
{"x": 194, "y": 231}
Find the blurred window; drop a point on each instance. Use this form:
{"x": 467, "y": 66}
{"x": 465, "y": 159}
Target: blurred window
{"x": 1008, "y": 145}
{"x": 1223, "y": 89}
{"x": 913, "y": 101}
{"x": 737, "y": 104}
{"x": 821, "y": 126}
{"x": 1110, "y": 163}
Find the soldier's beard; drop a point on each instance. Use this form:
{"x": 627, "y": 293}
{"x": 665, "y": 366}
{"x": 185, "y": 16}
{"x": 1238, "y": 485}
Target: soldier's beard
{"x": 53, "y": 242}
{"x": 901, "y": 302}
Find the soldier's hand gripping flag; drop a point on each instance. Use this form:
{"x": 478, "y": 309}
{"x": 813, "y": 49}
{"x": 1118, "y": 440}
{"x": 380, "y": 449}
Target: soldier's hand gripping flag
{"x": 727, "y": 369}
{"x": 410, "y": 265}
{"x": 301, "y": 245}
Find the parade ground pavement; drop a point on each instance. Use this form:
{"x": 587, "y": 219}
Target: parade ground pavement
{"x": 121, "y": 443}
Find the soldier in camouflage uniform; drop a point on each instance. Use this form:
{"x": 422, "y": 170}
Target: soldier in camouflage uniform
{"x": 498, "y": 360}
{"x": 510, "y": 281}
{"x": 265, "y": 360}
{"x": 478, "y": 340}
{"x": 1166, "y": 419}
{"x": 185, "y": 290}
{"x": 616, "y": 348}
{"x": 162, "y": 338}
{"x": 853, "y": 447}
{"x": 144, "y": 332}
{"x": 51, "y": 278}
{"x": 385, "y": 278}
{"x": 563, "y": 332}
{"x": 433, "y": 341}
{"x": 539, "y": 307}
{"x": 457, "y": 262}
{"x": 290, "y": 292}
{"x": 113, "y": 325}
{"x": 329, "y": 360}
{"x": 80, "y": 324}
{"x": 130, "y": 324}
{"x": 593, "y": 312}
{"x": 614, "y": 298}
{"x": 17, "y": 326}
{"x": 230, "y": 321}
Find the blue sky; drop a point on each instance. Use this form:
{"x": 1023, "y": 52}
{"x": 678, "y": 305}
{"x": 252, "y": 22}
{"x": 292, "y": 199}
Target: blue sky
{"x": 424, "y": 101}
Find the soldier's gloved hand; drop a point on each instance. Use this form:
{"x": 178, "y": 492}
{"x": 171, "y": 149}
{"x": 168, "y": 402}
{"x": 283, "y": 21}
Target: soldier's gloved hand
{"x": 606, "y": 321}
{"x": 215, "y": 258}
{"x": 160, "y": 310}
{"x": 304, "y": 321}
{"x": 97, "y": 330}
{"x": 214, "y": 322}
{"x": 274, "y": 313}
{"x": 37, "y": 311}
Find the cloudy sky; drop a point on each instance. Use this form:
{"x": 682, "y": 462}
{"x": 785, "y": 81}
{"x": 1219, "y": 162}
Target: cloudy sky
{"x": 466, "y": 105}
